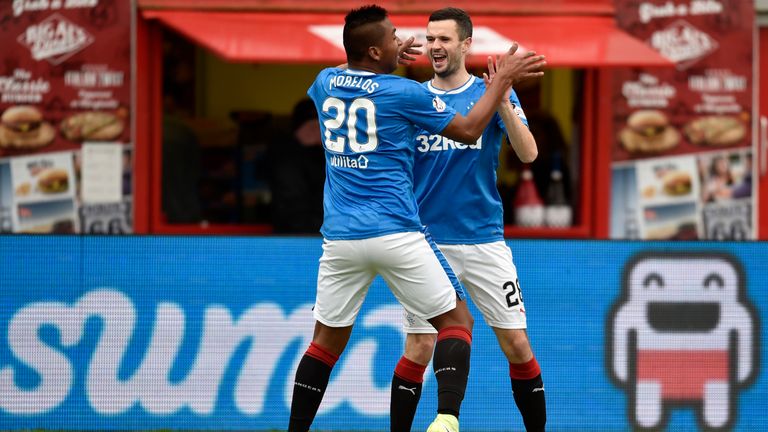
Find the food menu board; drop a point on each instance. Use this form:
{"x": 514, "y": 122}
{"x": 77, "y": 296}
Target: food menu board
{"x": 682, "y": 161}
{"x": 65, "y": 79}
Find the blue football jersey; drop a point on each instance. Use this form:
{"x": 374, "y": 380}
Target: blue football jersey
{"x": 455, "y": 183}
{"x": 367, "y": 123}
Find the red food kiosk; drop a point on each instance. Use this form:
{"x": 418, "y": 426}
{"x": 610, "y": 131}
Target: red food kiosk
{"x": 574, "y": 34}
{"x": 256, "y": 56}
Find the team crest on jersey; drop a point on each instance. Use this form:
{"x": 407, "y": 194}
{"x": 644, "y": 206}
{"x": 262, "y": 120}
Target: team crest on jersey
{"x": 438, "y": 104}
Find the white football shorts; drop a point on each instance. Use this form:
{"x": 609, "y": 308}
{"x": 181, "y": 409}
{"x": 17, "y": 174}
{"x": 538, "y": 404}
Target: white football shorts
{"x": 410, "y": 263}
{"x": 490, "y": 277}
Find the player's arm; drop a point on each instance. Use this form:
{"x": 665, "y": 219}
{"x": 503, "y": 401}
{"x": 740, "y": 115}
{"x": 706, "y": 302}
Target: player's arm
{"x": 520, "y": 137}
{"x": 510, "y": 69}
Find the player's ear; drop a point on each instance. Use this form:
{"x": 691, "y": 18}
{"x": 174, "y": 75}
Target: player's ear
{"x": 374, "y": 52}
{"x": 466, "y": 44}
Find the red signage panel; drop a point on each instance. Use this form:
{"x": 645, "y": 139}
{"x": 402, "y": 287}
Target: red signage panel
{"x": 682, "y": 159}
{"x": 64, "y": 74}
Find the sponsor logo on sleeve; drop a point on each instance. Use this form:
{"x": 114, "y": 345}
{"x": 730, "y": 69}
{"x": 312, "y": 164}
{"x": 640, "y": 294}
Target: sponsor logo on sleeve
{"x": 519, "y": 111}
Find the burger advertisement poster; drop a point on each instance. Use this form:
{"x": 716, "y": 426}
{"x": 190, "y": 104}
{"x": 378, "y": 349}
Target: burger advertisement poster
{"x": 669, "y": 190}
{"x": 675, "y": 120}
{"x": 43, "y": 193}
{"x": 65, "y": 79}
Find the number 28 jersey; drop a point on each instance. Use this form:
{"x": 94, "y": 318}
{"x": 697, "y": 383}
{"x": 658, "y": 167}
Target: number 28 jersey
{"x": 368, "y": 123}
{"x": 456, "y": 182}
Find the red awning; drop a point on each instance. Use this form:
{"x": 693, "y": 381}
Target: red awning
{"x": 567, "y": 41}
{"x": 474, "y": 7}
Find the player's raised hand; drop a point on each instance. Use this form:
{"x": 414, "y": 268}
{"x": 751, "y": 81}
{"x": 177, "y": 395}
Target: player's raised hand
{"x": 488, "y": 77}
{"x": 408, "y": 50}
{"x": 516, "y": 68}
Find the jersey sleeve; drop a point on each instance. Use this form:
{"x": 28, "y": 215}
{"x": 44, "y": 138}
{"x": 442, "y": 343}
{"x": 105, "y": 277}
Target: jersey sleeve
{"x": 517, "y": 108}
{"x": 424, "y": 109}
{"x": 315, "y": 91}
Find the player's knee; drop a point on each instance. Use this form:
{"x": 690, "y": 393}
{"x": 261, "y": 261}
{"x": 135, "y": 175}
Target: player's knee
{"x": 333, "y": 339}
{"x": 419, "y": 347}
{"x": 470, "y": 321}
{"x": 465, "y": 317}
{"x": 516, "y": 346}
{"x": 456, "y": 317}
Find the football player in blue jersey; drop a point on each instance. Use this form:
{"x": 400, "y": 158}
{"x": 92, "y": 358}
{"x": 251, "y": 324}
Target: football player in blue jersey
{"x": 455, "y": 186}
{"x": 371, "y": 224}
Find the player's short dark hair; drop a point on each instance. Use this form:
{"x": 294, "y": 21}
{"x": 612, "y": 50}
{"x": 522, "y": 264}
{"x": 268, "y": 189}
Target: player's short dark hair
{"x": 358, "y": 34}
{"x": 463, "y": 22}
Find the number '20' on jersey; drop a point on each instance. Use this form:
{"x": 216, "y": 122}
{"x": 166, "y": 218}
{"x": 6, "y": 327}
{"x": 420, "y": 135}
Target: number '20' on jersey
{"x": 368, "y": 123}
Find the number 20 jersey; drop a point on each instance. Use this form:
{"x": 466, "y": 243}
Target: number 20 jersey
{"x": 367, "y": 124}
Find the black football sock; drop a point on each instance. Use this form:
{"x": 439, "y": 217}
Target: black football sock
{"x": 406, "y": 392}
{"x": 451, "y": 365}
{"x": 312, "y": 377}
{"x": 528, "y": 391}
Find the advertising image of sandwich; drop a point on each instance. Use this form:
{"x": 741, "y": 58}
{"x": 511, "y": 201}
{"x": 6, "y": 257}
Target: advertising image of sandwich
{"x": 53, "y": 181}
{"x": 677, "y": 183}
{"x": 22, "y": 127}
{"x": 92, "y": 126}
{"x": 715, "y": 131}
{"x": 37, "y": 229}
{"x": 664, "y": 232}
{"x": 648, "y": 131}
{"x": 65, "y": 226}
{"x": 673, "y": 231}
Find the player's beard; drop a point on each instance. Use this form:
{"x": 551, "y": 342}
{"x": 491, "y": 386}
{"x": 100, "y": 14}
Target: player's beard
{"x": 452, "y": 65}
{"x": 392, "y": 68}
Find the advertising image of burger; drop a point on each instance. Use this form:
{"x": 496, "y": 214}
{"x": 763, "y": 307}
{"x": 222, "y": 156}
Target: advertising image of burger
{"x": 92, "y": 126}
{"x": 648, "y": 131}
{"x": 677, "y": 183}
{"x": 53, "y": 181}
{"x": 22, "y": 127}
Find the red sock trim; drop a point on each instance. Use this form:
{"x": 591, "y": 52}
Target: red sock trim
{"x": 456, "y": 332}
{"x": 319, "y": 353}
{"x": 524, "y": 371}
{"x": 410, "y": 371}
